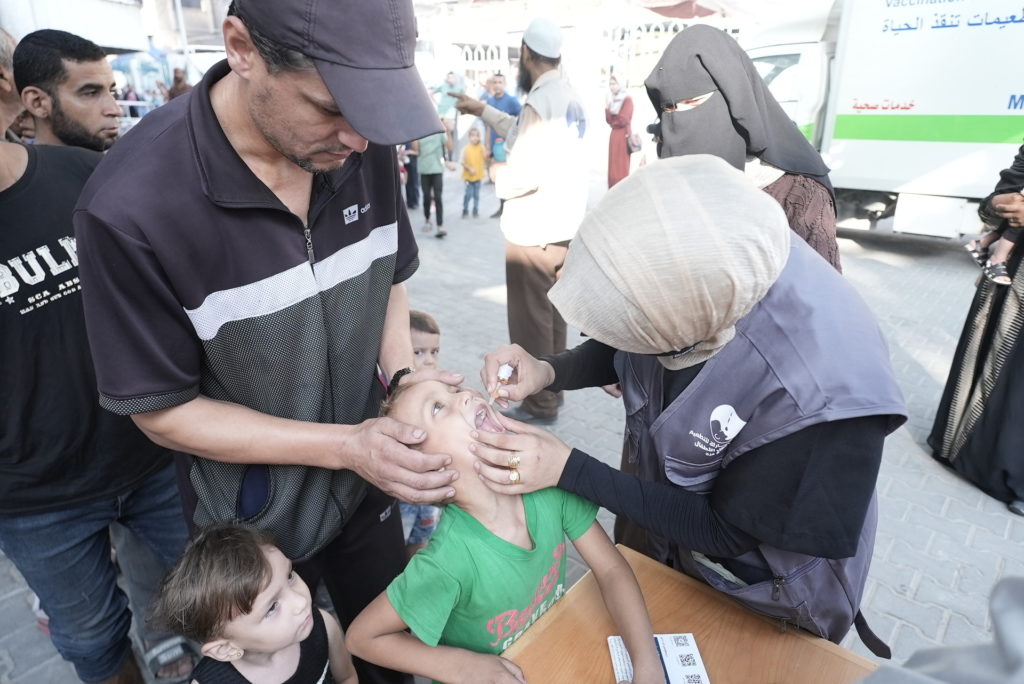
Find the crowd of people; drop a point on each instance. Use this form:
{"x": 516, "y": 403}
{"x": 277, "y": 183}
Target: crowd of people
{"x": 224, "y": 387}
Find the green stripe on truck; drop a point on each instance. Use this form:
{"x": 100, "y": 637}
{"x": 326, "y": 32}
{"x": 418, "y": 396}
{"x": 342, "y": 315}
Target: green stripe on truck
{"x": 938, "y": 128}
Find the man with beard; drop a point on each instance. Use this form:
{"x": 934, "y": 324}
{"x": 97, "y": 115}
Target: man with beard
{"x": 544, "y": 188}
{"x": 243, "y": 255}
{"x": 67, "y": 85}
{"x": 69, "y": 469}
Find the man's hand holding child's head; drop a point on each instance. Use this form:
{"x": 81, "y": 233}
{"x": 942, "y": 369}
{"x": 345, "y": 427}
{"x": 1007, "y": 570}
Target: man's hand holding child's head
{"x": 426, "y": 373}
{"x": 394, "y": 465}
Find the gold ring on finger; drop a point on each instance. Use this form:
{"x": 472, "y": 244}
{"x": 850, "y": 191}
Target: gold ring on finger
{"x": 514, "y": 460}
{"x": 513, "y": 476}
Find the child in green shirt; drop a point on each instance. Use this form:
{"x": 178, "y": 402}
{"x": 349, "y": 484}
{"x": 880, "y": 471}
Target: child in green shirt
{"x": 495, "y": 564}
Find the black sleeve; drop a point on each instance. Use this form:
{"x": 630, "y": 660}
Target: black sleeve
{"x": 587, "y": 365}
{"x": 663, "y": 509}
{"x": 1010, "y": 180}
{"x": 807, "y": 492}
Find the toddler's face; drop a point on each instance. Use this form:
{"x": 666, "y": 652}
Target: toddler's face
{"x": 474, "y": 137}
{"x": 281, "y": 615}
{"x": 448, "y": 414}
{"x": 426, "y": 348}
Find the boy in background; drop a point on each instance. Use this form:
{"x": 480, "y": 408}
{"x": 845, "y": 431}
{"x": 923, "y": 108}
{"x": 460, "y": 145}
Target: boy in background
{"x": 419, "y": 520}
{"x": 472, "y": 172}
{"x": 432, "y": 152}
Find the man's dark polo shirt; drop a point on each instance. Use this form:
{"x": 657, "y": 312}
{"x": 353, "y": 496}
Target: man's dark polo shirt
{"x": 197, "y": 279}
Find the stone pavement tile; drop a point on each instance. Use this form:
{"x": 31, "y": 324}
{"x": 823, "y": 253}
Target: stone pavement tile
{"x": 905, "y": 531}
{"x": 976, "y": 577}
{"x": 995, "y": 521}
{"x": 983, "y": 540}
{"x": 996, "y": 507}
{"x": 921, "y": 499}
{"x": 952, "y": 529}
{"x": 971, "y": 607}
{"x": 944, "y": 571}
{"x": 952, "y": 554}
{"x": 26, "y": 648}
{"x": 945, "y": 481}
{"x": 891, "y": 506}
{"x": 897, "y": 577}
{"x": 47, "y": 672}
{"x": 927, "y": 618}
{"x": 15, "y": 612}
{"x": 907, "y": 641}
{"x": 960, "y": 632}
{"x": 11, "y": 581}
{"x": 1011, "y": 568}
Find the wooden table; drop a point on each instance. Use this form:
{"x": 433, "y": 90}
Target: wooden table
{"x": 568, "y": 644}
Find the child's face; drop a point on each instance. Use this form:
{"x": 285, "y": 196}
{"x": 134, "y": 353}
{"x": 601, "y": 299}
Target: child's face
{"x": 281, "y": 615}
{"x": 474, "y": 137}
{"x": 448, "y": 414}
{"x": 426, "y": 347}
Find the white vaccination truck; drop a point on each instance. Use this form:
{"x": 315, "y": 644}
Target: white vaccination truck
{"x": 916, "y": 105}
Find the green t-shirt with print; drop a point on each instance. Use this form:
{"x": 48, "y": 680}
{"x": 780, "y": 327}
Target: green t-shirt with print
{"x": 471, "y": 589}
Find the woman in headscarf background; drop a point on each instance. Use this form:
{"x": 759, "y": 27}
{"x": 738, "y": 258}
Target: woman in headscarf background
{"x": 711, "y": 100}
{"x": 619, "y": 115}
{"x": 757, "y": 386}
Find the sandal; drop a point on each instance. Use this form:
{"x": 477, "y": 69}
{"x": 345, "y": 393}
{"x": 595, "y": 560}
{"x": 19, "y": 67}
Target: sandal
{"x": 168, "y": 652}
{"x": 997, "y": 273}
{"x": 427, "y": 227}
{"x": 977, "y": 252}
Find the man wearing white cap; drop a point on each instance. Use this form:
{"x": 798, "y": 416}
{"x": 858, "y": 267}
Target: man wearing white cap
{"x": 245, "y": 252}
{"x": 544, "y": 186}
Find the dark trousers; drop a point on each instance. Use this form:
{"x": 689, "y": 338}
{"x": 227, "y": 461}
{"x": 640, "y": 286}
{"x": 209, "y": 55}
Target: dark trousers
{"x": 412, "y": 182}
{"x": 433, "y": 185}
{"x": 533, "y": 321}
{"x": 358, "y": 565}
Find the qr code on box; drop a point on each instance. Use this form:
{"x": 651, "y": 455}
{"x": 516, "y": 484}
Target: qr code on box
{"x": 687, "y": 660}
{"x": 694, "y": 679}
{"x": 681, "y": 640}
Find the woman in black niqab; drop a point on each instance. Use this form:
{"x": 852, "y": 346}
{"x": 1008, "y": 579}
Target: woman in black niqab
{"x": 711, "y": 100}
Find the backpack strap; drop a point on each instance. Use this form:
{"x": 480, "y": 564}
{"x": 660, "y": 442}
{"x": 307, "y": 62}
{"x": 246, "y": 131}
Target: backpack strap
{"x": 870, "y": 639}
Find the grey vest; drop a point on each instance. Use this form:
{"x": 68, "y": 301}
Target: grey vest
{"x": 809, "y": 352}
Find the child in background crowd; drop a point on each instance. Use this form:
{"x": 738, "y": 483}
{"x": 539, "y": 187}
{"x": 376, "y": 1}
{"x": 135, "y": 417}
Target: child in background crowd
{"x": 419, "y": 520}
{"x": 432, "y": 151}
{"x": 236, "y": 594}
{"x": 426, "y": 339}
{"x": 472, "y": 172}
{"x": 495, "y": 564}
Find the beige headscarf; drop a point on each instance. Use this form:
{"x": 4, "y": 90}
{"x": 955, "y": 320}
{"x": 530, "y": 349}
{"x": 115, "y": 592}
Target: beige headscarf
{"x": 672, "y": 257}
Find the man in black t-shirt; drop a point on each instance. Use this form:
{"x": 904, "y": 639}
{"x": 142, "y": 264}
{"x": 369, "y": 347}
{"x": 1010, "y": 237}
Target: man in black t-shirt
{"x": 67, "y": 467}
{"x": 67, "y": 84}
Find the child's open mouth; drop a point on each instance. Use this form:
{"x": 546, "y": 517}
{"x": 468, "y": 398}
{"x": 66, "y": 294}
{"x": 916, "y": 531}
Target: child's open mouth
{"x": 485, "y": 421}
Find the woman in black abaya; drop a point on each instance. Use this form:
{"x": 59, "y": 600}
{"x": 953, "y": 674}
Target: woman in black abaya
{"x": 979, "y": 428}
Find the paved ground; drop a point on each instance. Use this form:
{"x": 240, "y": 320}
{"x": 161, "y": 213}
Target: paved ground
{"x": 941, "y": 543}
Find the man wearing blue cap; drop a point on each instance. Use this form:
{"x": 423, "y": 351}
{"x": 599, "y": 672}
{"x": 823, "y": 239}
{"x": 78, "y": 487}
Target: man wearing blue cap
{"x": 544, "y": 188}
{"x": 242, "y": 258}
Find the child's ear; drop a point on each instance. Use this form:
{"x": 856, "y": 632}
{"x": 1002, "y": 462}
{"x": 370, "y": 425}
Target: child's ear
{"x": 222, "y": 650}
